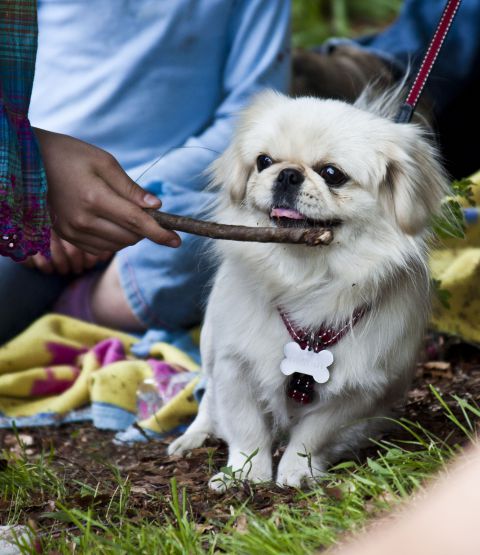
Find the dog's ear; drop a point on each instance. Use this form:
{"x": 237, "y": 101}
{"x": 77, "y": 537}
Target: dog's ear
{"x": 414, "y": 183}
{"x": 230, "y": 172}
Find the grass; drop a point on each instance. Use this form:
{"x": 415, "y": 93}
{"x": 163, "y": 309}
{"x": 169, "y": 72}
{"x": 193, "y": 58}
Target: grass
{"x": 314, "y": 21}
{"x": 101, "y": 518}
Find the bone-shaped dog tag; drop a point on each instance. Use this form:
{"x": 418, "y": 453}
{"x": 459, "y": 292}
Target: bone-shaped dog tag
{"x": 306, "y": 362}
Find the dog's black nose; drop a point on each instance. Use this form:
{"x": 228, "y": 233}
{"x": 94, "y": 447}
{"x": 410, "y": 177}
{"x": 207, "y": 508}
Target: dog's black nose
{"x": 287, "y": 187}
{"x": 290, "y": 176}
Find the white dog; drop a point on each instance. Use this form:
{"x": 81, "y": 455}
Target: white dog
{"x": 361, "y": 301}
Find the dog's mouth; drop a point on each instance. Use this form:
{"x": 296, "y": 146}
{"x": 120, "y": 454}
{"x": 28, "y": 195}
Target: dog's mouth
{"x": 288, "y": 217}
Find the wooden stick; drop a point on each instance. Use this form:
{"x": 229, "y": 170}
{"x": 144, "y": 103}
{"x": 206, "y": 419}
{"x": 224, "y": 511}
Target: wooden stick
{"x": 311, "y": 237}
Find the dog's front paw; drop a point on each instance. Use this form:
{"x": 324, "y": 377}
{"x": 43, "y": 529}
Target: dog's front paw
{"x": 295, "y": 478}
{"x": 223, "y": 480}
{"x": 297, "y": 470}
{"x": 220, "y": 482}
{"x": 186, "y": 443}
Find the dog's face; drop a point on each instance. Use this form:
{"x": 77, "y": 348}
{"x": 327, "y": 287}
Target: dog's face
{"x": 304, "y": 162}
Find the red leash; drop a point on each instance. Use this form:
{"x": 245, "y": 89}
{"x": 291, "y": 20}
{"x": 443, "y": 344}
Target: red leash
{"x": 406, "y": 111}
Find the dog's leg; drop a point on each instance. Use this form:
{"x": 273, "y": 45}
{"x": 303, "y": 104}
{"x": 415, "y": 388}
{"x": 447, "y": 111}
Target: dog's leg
{"x": 240, "y": 423}
{"x": 311, "y": 441}
{"x": 300, "y": 465}
{"x": 197, "y": 432}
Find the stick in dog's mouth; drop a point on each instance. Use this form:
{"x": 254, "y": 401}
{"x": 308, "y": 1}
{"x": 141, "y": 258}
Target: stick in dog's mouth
{"x": 288, "y": 217}
{"x": 319, "y": 235}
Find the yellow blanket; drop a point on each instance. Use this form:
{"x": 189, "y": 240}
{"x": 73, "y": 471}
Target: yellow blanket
{"x": 456, "y": 263}
{"x": 60, "y": 365}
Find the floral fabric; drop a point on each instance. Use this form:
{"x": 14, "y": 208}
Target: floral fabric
{"x": 24, "y": 219}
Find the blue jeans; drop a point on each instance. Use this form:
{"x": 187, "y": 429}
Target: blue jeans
{"x": 166, "y": 288}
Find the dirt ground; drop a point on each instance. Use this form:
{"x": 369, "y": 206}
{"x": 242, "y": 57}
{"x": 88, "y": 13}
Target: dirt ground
{"x": 83, "y": 453}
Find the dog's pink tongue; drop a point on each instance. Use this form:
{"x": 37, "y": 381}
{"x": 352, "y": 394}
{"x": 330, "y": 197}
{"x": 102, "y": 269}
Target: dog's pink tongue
{"x": 286, "y": 213}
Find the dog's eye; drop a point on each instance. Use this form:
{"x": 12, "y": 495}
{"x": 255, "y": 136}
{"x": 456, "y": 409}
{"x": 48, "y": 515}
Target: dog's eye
{"x": 332, "y": 176}
{"x": 263, "y": 162}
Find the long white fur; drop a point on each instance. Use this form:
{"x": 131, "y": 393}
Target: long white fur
{"x": 378, "y": 258}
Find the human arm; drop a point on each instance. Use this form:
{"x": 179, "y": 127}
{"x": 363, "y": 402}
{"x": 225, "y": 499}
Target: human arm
{"x": 92, "y": 201}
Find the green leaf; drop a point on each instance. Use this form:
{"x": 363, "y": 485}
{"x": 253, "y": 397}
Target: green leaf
{"x": 451, "y": 222}
{"x": 443, "y": 295}
{"x": 463, "y": 188}
{"x": 61, "y": 516}
{"x": 228, "y": 471}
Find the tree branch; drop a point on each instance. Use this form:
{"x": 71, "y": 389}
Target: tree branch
{"x": 311, "y": 237}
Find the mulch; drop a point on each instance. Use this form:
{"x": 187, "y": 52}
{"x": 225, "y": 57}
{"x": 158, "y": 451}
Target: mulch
{"x": 84, "y": 454}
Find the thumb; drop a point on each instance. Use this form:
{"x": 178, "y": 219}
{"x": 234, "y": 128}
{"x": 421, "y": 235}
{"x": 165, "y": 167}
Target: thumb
{"x": 119, "y": 181}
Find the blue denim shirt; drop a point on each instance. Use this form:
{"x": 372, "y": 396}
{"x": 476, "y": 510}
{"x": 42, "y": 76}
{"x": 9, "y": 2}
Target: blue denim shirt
{"x": 453, "y": 87}
{"x": 405, "y": 42}
{"x": 142, "y": 77}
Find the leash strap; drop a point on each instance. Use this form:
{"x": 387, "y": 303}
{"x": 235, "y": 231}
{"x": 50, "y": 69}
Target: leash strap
{"x": 406, "y": 111}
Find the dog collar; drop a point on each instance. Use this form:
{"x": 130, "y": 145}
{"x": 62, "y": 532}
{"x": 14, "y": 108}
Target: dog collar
{"x": 309, "y": 352}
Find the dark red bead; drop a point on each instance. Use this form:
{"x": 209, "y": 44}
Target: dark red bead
{"x": 300, "y": 396}
{"x": 301, "y": 388}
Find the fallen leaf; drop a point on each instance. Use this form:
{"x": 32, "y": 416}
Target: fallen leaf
{"x": 334, "y": 492}
{"x": 11, "y": 440}
{"x": 438, "y": 368}
{"x": 241, "y": 524}
{"x": 137, "y": 489}
{"x": 201, "y": 528}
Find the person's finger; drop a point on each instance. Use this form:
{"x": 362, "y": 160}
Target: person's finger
{"x": 93, "y": 252}
{"x": 91, "y": 217}
{"x": 118, "y": 180}
{"x": 114, "y": 231}
{"x": 98, "y": 235}
{"x": 106, "y": 256}
{"x": 60, "y": 259}
{"x": 90, "y": 260}
{"x": 42, "y": 264}
{"x": 28, "y": 263}
{"x": 97, "y": 246}
{"x": 76, "y": 257}
{"x": 136, "y": 220}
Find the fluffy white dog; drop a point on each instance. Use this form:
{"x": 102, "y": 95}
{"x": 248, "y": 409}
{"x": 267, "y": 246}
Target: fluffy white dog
{"x": 361, "y": 301}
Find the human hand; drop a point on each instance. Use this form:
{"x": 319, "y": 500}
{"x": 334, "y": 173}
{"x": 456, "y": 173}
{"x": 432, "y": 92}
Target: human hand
{"x": 93, "y": 203}
{"x": 65, "y": 258}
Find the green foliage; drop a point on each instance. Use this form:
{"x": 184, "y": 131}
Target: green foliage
{"x": 443, "y": 295}
{"x": 450, "y": 224}
{"x": 19, "y": 477}
{"x": 314, "y": 21}
{"x": 462, "y": 188}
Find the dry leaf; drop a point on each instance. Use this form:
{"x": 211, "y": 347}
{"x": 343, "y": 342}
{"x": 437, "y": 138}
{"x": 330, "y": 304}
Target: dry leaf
{"x": 138, "y": 489}
{"x": 241, "y": 524}
{"x": 11, "y": 440}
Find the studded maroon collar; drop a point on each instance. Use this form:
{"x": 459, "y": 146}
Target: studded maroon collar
{"x": 323, "y": 337}
{"x": 300, "y": 387}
